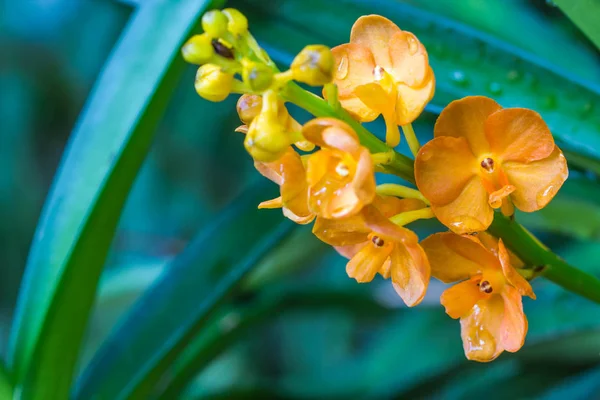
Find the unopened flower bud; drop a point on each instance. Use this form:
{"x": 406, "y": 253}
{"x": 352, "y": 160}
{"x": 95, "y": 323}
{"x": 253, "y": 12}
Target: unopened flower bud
{"x": 267, "y": 139}
{"x": 248, "y": 107}
{"x": 257, "y": 76}
{"x": 214, "y": 22}
{"x": 238, "y": 23}
{"x": 313, "y": 65}
{"x": 198, "y": 49}
{"x": 212, "y": 83}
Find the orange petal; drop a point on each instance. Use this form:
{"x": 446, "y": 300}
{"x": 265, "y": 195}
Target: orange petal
{"x": 469, "y": 212}
{"x": 518, "y": 134}
{"x": 341, "y": 232}
{"x": 374, "y": 32}
{"x": 412, "y": 100}
{"x": 443, "y": 168}
{"x": 294, "y": 188}
{"x": 455, "y": 258}
{"x": 496, "y": 197}
{"x": 368, "y": 261}
{"x": 299, "y": 219}
{"x": 382, "y": 226}
{"x": 410, "y": 272}
{"x": 363, "y": 183}
{"x": 409, "y": 59}
{"x": 466, "y": 118}
{"x": 514, "y": 323}
{"x": 511, "y": 274}
{"x": 274, "y": 203}
{"x": 536, "y": 182}
{"x": 481, "y": 330}
{"x": 350, "y": 250}
{"x": 354, "y": 67}
{"x": 460, "y": 298}
{"x": 270, "y": 171}
{"x": 331, "y": 133}
{"x": 390, "y": 205}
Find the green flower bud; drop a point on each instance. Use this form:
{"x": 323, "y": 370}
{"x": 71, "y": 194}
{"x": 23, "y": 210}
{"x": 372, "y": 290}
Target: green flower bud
{"x": 257, "y": 76}
{"x": 198, "y": 49}
{"x": 212, "y": 83}
{"x": 313, "y": 65}
{"x": 214, "y": 22}
{"x": 238, "y": 23}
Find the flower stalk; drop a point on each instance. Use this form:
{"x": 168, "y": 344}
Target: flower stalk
{"x": 514, "y": 235}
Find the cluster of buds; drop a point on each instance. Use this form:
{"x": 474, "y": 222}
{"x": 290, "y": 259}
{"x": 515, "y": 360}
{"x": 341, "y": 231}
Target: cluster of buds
{"x": 482, "y": 158}
{"x": 231, "y": 61}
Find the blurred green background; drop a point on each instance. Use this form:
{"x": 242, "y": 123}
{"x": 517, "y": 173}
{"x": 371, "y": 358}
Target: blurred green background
{"x": 319, "y": 335}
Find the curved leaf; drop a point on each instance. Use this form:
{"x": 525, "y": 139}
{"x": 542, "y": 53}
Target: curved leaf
{"x": 166, "y": 318}
{"x": 6, "y": 388}
{"x": 104, "y": 155}
{"x": 584, "y": 13}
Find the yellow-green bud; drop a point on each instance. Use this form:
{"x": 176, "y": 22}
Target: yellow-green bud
{"x": 248, "y": 107}
{"x": 214, "y": 22}
{"x": 267, "y": 139}
{"x": 198, "y": 49}
{"x": 238, "y": 23}
{"x": 313, "y": 65}
{"x": 257, "y": 76}
{"x": 212, "y": 83}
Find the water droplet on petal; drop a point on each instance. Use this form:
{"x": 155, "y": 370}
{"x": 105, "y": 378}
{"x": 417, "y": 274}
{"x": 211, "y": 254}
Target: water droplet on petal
{"x": 546, "y": 195}
{"x": 378, "y": 73}
{"x": 342, "y": 69}
{"x": 413, "y": 46}
{"x": 480, "y": 344}
{"x": 425, "y": 155}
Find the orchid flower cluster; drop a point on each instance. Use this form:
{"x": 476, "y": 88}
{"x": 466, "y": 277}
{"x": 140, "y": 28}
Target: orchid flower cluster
{"x": 482, "y": 158}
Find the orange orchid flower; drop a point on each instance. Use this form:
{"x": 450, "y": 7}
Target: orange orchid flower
{"x": 376, "y": 245}
{"x": 488, "y": 298}
{"x": 340, "y": 176}
{"x": 485, "y": 157}
{"x": 383, "y": 70}
{"x": 289, "y": 173}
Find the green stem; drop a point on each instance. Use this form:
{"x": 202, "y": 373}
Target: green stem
{"x": 411, "y": 139}
{"x": 515, "y": 236}
{"x": 392, "y": 189}
{"x": 533, "y": 253}
{"x": 399, "y": 165}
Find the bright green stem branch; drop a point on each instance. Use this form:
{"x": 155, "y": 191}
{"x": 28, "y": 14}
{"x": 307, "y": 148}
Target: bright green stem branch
{"x": 392, "y": 189}
{"x": 400, "y": 165}
{"x": 515, "y": 236}
{"x": 411, "y": 139}
{"x": 407, "y": 217}
{"x": 534, "y": 253}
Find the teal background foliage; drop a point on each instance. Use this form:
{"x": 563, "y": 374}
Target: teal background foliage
{"x": 152, "y": 275}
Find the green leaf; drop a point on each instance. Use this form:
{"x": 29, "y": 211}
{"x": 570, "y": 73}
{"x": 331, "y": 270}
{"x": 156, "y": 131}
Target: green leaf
{"x": 584, "y": 14}
{"x": 166, "y": 318}
{"x": 512, "y": 76}
{"x": 104, "y": 155}
{"x": 235, "y": 321}
{"x": 6, "y": 388}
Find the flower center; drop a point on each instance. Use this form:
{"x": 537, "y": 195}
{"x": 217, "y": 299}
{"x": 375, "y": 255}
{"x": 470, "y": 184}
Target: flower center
{"x": 486, "y": 287}
{"x": 377, "y": 241}
{"x": 378, "y": 73}
{"x": 488, "y": 164}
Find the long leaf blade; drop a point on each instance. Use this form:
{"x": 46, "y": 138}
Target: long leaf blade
{"x": 584, "y": 13}
{"x": 107, "y": 149}
{"x": 170, "y": 314}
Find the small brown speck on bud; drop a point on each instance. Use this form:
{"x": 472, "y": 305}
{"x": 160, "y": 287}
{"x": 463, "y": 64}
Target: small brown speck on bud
{"x": 221, "y": 49}
{"x": 487, "y": 164}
